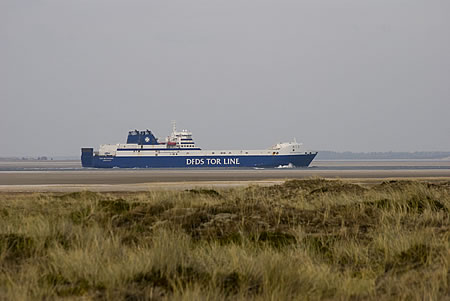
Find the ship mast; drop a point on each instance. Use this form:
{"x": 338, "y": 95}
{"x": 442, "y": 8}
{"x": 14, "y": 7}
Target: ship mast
{"x": 174, "y": 126}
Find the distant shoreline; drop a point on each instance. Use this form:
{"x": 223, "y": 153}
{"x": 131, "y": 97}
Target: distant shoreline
{"x": 321, "y": 156}
{"x": 331, "y": 155}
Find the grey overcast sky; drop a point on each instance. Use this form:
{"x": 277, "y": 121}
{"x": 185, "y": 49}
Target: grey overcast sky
{"x": 355, "y": 75}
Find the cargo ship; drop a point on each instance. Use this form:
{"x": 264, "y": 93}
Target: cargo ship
{"x": 143, "y": 150}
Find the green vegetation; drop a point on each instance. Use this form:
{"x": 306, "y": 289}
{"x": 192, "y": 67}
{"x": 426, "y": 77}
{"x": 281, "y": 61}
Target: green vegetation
{"x": 305, "y": 239}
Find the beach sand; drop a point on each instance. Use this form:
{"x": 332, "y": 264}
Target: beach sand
{"x": 34, "y": 179}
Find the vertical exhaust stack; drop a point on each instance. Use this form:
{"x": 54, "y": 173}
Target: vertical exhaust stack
{"x": 87, "y": 157}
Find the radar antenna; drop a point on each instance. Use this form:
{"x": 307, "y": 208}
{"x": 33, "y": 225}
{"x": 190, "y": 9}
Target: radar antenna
{"x": 174, "y": 126}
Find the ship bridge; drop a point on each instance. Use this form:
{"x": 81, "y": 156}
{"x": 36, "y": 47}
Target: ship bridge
{"x": 180, "y": 139}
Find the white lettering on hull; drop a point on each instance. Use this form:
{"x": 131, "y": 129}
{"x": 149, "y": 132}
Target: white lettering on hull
{"x": 212, "y": 161}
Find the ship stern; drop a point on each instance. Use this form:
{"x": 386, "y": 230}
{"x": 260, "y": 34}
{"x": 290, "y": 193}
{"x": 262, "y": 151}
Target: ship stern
{"x": 87, "y": 157}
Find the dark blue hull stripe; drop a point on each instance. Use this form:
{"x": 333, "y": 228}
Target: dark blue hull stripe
{"x": 182, "y": 161}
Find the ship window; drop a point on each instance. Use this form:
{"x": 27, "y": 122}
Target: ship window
{"x": 213, "y": 153}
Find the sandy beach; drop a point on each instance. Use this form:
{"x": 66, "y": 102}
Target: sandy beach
{"x": 68, "y": 176}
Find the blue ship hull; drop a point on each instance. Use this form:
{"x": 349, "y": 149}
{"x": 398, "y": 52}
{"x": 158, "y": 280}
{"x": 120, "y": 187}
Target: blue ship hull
{"x": 298, "y": 160}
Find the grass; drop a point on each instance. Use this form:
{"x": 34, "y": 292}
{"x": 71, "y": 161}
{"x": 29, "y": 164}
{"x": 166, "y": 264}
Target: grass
{"x": 305, "y": 239}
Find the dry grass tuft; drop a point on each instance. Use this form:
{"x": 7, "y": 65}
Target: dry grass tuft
{"x": 304, "y": 239}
